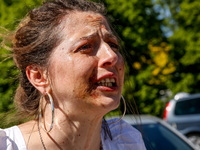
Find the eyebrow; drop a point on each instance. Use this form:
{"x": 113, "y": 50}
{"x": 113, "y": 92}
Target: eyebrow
{"x": 89, "y": 36}
{"x": 105, "y": 36}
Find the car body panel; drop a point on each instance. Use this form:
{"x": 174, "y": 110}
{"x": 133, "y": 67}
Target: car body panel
{"x": 157, "y": 134}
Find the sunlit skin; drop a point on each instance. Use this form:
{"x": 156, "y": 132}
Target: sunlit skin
{"x": 82, "y": 59}
{"x": 88, "y": 53}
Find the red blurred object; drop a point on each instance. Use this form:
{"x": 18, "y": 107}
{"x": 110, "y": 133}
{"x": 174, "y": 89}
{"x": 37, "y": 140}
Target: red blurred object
{"x": 167, "y": 109}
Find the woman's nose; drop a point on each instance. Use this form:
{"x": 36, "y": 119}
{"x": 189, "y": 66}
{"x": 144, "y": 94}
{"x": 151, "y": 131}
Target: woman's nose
{"x": 107, "y": 57}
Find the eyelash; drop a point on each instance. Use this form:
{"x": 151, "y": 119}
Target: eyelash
{"x": 113, "y": 46}
{"x": 85, "y": 47}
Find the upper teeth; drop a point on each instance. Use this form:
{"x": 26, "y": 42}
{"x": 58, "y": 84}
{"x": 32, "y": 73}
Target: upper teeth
{"x": 107, "y": 82}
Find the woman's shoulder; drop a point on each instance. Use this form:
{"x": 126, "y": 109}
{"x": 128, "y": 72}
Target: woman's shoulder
{"x": 11, "y": 139}
{"x": 124, "y": 136}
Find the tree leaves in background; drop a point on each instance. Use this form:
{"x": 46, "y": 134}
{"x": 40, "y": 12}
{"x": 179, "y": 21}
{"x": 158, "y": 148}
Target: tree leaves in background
{"x": 185, "y": 44}
{"x": 11, "y": 12}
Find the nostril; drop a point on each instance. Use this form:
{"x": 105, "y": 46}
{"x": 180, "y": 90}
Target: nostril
{"x": 109, "y": 61}
{"x": 106, "y": 64}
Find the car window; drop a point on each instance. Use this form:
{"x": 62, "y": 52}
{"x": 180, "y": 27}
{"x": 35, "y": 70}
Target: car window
{"x": 158, "y": 137}
{"x": 188, "y": 107}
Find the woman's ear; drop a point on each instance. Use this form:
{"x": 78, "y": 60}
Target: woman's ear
{"x": 38, "y": 78}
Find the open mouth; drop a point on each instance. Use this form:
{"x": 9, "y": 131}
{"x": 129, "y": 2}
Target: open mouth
{"x": 108, "y": 82}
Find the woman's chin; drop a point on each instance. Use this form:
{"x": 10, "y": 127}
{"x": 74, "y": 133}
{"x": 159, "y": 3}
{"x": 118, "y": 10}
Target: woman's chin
{"x": 109, "y": 103}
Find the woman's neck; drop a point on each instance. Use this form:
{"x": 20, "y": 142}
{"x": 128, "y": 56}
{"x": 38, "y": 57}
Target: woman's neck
{"x": 69, "y": 132}
{"x": 77, "y": 132}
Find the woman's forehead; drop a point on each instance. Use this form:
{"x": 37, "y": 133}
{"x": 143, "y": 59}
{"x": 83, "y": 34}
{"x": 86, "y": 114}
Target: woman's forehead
{"x": 96, "y": 20}
{"x": 76, "y": 19}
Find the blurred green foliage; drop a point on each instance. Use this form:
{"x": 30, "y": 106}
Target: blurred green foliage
{"x": 158, "y": 65}
{"x": 185, "y": 44}
{"x": 11, "y": 12}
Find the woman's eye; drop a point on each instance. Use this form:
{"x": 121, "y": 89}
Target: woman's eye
{"x": 85, "y": 47}
{"x": 114, "y": 46}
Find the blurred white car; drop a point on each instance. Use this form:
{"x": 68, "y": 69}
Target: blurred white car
{"x": 183, "y": 113}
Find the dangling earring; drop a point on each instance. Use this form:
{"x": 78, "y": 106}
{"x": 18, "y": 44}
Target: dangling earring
{"x": 41, "y": 115}
{"x": 122, "y": 114}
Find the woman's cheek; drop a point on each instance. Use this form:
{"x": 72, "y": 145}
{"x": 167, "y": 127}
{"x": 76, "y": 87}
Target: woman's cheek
{"x": 121, "y": 63}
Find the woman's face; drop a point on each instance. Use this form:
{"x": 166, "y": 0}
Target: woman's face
{"x": 86, "y": 68}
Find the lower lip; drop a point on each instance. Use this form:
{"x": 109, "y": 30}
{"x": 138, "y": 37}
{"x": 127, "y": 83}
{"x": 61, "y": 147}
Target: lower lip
{"x": 107, "y": 89}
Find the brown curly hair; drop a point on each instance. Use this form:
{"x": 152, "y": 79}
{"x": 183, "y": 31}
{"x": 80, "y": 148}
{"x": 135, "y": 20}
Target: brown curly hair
{"x": 34, "y": 40}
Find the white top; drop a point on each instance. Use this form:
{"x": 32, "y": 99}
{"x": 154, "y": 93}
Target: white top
{"x": 12, "y": 139}
{"x": 124, "y": 137}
